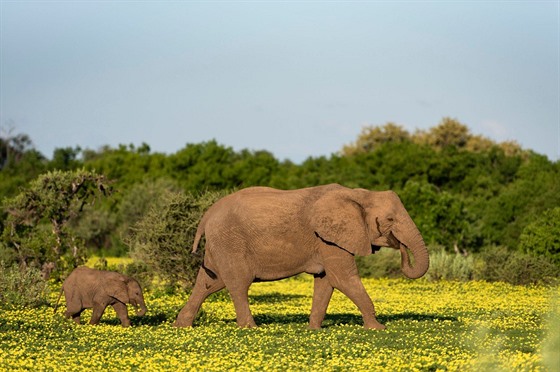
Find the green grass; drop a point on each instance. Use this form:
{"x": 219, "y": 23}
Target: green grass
{"x": 430, "y": 326}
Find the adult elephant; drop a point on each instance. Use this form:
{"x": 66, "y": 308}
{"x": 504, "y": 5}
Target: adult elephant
{"x": 87, "y": 288}
{"x": 261, "y": 234}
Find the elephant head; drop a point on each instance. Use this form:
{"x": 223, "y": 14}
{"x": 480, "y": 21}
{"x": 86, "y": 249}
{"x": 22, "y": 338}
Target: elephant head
{"x": 128, "y": 291}
{"x": 361, "y": 222}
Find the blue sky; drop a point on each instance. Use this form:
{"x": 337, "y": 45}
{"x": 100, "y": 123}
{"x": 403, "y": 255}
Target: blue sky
{"x": 298, "y": 79}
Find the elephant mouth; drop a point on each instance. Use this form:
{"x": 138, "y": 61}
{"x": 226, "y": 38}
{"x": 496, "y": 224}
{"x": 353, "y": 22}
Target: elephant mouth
{"x": 375, "y": 248}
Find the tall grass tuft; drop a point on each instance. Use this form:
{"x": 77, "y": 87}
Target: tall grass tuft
{"x": 551, "y": 344}
{"x": 450, "y": 266}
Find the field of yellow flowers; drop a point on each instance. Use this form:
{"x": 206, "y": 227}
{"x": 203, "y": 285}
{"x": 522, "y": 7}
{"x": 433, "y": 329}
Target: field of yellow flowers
{"x": 436, "y": 326}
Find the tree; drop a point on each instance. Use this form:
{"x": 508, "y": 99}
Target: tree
{"x": 449, "y": 132}
{"x": 12, "y": 147}
{"x": 372, "y": 136}
{"x": 36, "y": 231}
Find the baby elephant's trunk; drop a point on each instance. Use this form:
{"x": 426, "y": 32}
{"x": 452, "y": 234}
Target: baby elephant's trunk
{"x": 141, "y": 310}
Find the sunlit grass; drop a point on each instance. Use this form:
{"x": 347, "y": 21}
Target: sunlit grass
{"x": 431, "y": 326}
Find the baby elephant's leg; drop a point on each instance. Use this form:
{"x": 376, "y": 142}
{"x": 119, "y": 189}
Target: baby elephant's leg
{"x": 122, "y": 313}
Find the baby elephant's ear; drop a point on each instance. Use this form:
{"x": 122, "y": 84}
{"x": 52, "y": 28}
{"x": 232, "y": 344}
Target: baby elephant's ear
{"x": 117, "y": 289}
{"x": 339, "y": 220}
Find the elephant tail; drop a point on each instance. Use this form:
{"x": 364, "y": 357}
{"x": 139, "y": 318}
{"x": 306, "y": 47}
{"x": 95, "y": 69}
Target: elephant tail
{"x": 58, "y": 299}
{"x": 199, "y": 233}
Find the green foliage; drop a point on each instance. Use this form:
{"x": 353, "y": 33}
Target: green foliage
{"x": 441, "y": 217}
{"x": 210, "y": 166}
{"x": 461, "y": 189}
{"x": 164, "y": 237}
{"x": 22, "y": 287}
{"x": 126, "y": 166}
{"x": 65, "y": 159}
{"x": 542, "y": 236}
{"x": 535, "y": 189}
{"x": 36, "y": 231}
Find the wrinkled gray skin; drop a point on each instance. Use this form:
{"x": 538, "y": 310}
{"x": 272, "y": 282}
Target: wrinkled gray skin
{"x": 261, "y": 234}
{"x": 87, "y": 288}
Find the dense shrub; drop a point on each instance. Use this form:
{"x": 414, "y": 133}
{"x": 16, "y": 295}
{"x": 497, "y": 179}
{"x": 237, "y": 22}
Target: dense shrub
{"x": 22, "y": 287}
{"x": 164, "y": 237}
{"x": 500, "y": 264}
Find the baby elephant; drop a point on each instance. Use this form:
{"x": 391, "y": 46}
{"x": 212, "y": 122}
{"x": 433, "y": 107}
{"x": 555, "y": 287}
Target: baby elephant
{"x": 87, "y": 288}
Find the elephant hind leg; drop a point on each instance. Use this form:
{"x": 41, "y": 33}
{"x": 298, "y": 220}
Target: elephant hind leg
{"x": 342, "y": 273}
{"x": 74, "y": 315}
{"x": 207, "y": 282}
{"x": 73, "y": 309}
{"x": 322, "y": 293}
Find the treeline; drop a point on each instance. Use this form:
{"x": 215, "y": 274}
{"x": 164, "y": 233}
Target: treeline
{"x": 464, "y": 191}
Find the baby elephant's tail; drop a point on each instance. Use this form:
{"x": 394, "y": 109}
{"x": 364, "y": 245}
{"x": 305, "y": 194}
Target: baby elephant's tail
{"x": 59, "y": 295}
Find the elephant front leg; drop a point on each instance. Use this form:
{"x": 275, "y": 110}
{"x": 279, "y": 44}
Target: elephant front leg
{"x": 355, "y": 291}
{"x": 342, "y": 273}
{"x": 122, "y": 313}
{"x": 322, "y": 293}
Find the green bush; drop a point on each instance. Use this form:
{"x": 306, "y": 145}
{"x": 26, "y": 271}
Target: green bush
{"x": 500, "y": 264}
{"x": 164, "y": 237}
{"x": 22, "y": 287}
{"x": 450, "y": 266}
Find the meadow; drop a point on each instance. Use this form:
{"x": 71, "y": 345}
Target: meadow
{"x": 431, "y": 326}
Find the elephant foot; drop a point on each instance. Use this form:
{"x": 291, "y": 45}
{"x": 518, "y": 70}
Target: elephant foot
{"x": 374, "y": 325}
{"x": 249, "y": 323}
{"x": 180, "y": 323}
{"x": 314, "y": 326}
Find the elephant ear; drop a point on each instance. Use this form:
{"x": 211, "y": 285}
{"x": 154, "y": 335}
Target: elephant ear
{"x": 339, "y": 220}
{"x": 118, "y": 289}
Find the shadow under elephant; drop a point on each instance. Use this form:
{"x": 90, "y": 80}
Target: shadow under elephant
{"x": 337, "y": 319}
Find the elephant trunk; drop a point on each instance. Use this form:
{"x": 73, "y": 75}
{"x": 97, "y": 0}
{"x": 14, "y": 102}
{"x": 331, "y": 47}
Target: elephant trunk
{"x": 141, "y": 310}
{"x": 421, "y": 258}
